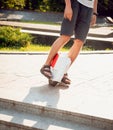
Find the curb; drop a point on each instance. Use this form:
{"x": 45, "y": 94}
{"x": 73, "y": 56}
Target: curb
{"x": 46, "y": 53}
{"x": 57, "y": 113}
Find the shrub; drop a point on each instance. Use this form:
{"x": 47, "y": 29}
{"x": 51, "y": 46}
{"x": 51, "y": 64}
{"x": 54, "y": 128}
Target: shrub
{"x": 13, "y": 4}
{"x": 12, "y": 37}
{"x": 51, "y": 5}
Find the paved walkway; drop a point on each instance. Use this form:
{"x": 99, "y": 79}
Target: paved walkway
{"x": 90, "y": 93}
{"x": 31, "y": 16}
{"x": 37, "y": 16}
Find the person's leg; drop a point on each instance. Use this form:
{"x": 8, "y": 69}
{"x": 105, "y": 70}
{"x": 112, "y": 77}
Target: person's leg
{"x": 81, "y": 30}
{"x": 75, "y": 49}
{"x": 57, "y": 45}
{"x": 67, "y": 28}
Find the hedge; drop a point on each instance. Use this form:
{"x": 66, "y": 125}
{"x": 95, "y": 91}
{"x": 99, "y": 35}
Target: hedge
{"x": 12, "y": 37}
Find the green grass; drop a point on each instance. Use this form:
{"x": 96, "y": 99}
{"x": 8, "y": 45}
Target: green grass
{"x": 32, "y": 47}
{"x": 37, "y": 22}
{"x": 43, "y": 48}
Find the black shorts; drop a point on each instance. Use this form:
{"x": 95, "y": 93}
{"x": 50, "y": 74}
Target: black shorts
{"x": 80, "y": 23}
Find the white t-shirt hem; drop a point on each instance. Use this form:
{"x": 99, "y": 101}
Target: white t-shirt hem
{"x": 87, "y": 3}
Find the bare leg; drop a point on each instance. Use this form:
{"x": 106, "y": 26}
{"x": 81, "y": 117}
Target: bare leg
{"x": 75, "y": 49}
{"x": 57, "y": 45}
{"x": 73, "y": 53}
{"x": 60, "y": 42}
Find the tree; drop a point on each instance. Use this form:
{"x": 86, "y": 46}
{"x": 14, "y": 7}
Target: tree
{"x": 105, "y": 7}
{"x": 13, "y": 4}
{"x": 51, "y": 5}
{"x": 31, "y": 4}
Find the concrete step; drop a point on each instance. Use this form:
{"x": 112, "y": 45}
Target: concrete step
{"x": 99, "y": 38}
{"x": 101, "y": 32}
{"x": 12, "y": 119}
{"x": 17, "y": 115}
{"x": 95, "y": 32}
{"x": 15, "y": 120}
{"x": 30, "y": 26}
{"x": 53, "y": 34}
{"x": 97, "y": 43}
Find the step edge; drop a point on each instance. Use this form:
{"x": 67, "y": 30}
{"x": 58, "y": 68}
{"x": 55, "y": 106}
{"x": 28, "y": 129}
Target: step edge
{"x": 56, "y": 113}
{"x": 5, "y": 125}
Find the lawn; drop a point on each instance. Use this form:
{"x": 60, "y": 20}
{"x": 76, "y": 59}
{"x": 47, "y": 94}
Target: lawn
{"x": 40, "y": 47}
{"x": 31, "y": 47}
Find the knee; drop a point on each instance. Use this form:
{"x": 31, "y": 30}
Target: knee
{"x": 65, "y": 38}
{"x": 79, "y": 42}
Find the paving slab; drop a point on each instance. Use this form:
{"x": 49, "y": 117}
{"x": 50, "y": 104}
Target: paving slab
{"x": 90, "y": 93}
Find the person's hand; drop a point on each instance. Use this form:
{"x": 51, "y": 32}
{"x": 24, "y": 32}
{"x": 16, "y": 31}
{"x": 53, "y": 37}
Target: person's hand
{"x": 93, "y": 20}
{"x": 68, "y": 13}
